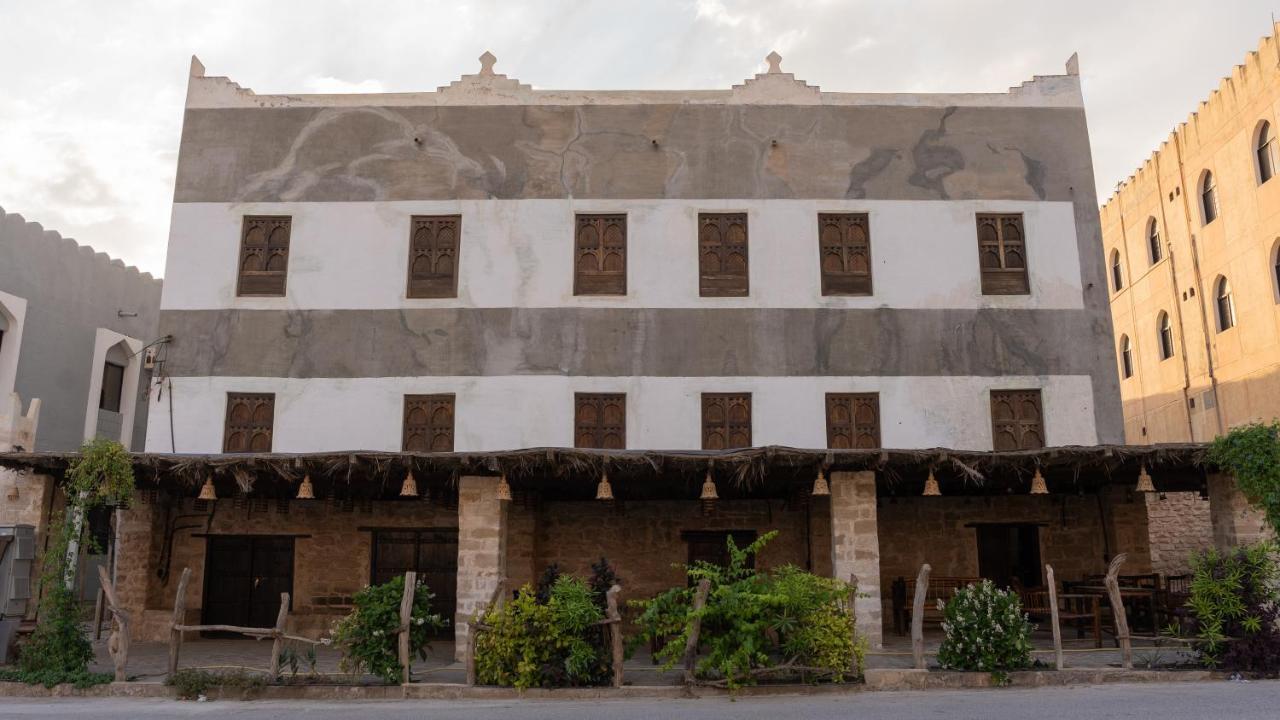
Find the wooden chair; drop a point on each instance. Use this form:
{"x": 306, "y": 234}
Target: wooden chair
{"x": 1079, "y": 609}
{"x": 940, "y": 588}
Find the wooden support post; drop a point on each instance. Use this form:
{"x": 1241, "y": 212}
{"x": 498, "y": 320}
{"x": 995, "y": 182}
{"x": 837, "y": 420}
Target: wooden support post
{"x": 406, "y": 622}
{"x": 277, "y": 642}
{"x": 1117, "y": 610}
{"x": 615, "y": 632}
{"x": 118, "y": 643}
{"x": 917, "y": 616}
{"x": 98, "y": 601}
{"x": 179, "y": 610}
{"x": 1053, "y": 616}
{"x": 691, "y": 642}
{"x": 853, "y": 613}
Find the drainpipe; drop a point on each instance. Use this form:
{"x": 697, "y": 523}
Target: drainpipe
{"x": 1199, "y": 287}
{"x": 1136, "y": 341}
{"x": 1177, "y": 309}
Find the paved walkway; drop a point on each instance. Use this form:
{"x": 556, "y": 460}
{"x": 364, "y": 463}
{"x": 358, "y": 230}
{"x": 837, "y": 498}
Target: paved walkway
{"x": 1181, "y": 701}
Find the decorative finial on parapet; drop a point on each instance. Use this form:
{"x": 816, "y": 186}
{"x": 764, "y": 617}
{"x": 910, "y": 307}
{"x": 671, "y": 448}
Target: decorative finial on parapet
{"x": 487, "y": 61}
{"x": 775, "y": 62}
{"x": 1073, "y": 64}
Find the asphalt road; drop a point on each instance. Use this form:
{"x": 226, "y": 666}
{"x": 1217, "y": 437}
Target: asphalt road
{"x": 1189, "y": 701}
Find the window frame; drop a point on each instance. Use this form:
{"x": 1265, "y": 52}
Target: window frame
{"x": 263, "y": 276}
{"x": 1022, "y": 426}
{"x": 845, "y": 282}
{"x": 1117, "y": 271}
{"x": 252, "y": 426}
{"x": 855, "y": 430}
{"x": 1003, "y": 280}
{"x": 600, "y": 430}
{"x": 724, "y": 284}
{"x": 1155, "y": 250}
{"x": 1224, "y": 304}
{"x": 1126, "y": 357}
{"x": 1264, "y": 151}
{"x": 1209, "y": 206}
{"x": 728, "y": 425}
{"x": 599, "y": 282}
{"x": 116, "y": 386}
{"x": 1164, "y": 329}
{"x": 431, "y": 287}
{"x": 430, "y": 403}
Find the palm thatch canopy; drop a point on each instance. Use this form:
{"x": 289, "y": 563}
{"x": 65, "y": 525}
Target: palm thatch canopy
{"x": 568, "y": 473}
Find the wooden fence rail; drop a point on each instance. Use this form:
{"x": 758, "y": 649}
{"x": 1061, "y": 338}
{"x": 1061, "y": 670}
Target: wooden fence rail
{"x": 118, "y": 643}
{"x": 917, "y": 617}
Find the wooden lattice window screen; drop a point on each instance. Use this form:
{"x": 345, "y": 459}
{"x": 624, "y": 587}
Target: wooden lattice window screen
{"x": 433, "y": 256}
{"x": 264, "y": 255}
{"x": 844, "y": 240}
{"x": 250, "y": 422}
{"x": 428, "y": 423}
{"x": 600, "y": 421}
{"x": 723, "y": 259}
{"x": 1017, "y": 420}
{"x": 853, "y": 420}
{"x": 726, "y": 421}
{"x": 600, "y": 255}
{"x": 1002, "y": 254}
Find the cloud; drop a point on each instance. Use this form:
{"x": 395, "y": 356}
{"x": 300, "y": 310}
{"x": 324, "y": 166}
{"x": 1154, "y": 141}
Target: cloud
{"x": 91, "y": 107}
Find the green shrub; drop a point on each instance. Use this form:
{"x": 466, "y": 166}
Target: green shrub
{"x": 556, "y": 643}
{"x": 1236, "y": 609}
{"x": 49, "y": 678}
{"x": 751, "y": 619}
{"x": 368, "y": 637}
{"x": 193, "y": 683}
{"x": 985, "y": 630}
{"x": 1251, "y": 453}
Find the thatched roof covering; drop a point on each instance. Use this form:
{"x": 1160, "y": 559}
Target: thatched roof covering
{"x": 771, "y": 471}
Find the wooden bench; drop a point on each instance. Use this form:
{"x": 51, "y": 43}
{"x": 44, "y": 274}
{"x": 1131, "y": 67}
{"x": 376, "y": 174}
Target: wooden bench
{"x": 941, "y": 587}
{"x": 1082, "y": 610}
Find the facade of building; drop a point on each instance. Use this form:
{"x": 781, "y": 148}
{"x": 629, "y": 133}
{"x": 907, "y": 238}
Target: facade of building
{"x": 73, "y": 325}
{"x": 443, "y": 277}
{"x": 1191, "y": 244}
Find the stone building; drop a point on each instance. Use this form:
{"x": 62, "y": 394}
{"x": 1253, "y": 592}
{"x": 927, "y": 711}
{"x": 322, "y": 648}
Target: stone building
{"x": 1191, "y": 243}
{"x": 481, "y": 330}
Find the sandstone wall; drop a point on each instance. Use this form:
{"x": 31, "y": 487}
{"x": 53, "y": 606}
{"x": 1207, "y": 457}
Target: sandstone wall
{"x": 1180, "y": 526}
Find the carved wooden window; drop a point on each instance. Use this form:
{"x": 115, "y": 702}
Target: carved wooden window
{"x": 726, "y": 421}
{"x": 853, "y": 420}
{"x": 1017, "y": 419}
{"x": 600, "y": 421}
{"x": 250, "y": 422}
{"x": 600, "y": 255}
{"x": 844, "y": 240}
{"x": 722, "y": 248}
{"x": 1002, "y": 254}
{"x": 433, "y": 256}
{"x": 264, "y": 255}
{"x": 428, "y": 423}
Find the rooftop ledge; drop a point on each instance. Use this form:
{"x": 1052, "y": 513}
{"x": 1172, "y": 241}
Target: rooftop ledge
{"x": 773, "y": 87}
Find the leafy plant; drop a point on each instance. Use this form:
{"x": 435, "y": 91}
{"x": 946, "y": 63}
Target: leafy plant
{"x": 292, "y": 659}
{"x": 752, "y": 619}
{"x": 49, "y": 678}
{"x": 985, "y": 630}
{"x": 547, "y": 581}
{"x": 368, "y": 637}
{"x": 1235, "y": 609}
{"x": 603, "y": 577}
{"x": 557, "y": 643}
{"x": 193, "y": 683}
{"x": 102, "y": 474}
{"x": 1251, "y": 453}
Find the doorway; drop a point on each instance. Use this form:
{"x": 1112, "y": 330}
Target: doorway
{"x": 1009, "y": 553}
{"x": 243, "y": 578}
{"x": 432, "y": 553}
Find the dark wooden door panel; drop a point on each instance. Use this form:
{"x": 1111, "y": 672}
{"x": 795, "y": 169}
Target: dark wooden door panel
{"x": 243, "y": 579}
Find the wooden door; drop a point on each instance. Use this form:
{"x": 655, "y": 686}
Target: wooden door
{"x": 243, "y": 579}
{"x": 432, "y": 553}
{"x": 1009, "y": 552}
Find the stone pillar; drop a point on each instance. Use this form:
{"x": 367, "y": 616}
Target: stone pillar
{"x": 1235, "y": 521}
{"x": 855, "y": 546}
{"x": 482, "y": 521}
{"x": 134, "y": 562}
{"x": 24, "y": 498}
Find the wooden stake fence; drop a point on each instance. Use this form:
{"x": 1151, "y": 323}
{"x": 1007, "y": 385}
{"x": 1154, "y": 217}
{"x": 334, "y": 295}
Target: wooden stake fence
{"x": 406, "y": 620}
{"x": 853, "y": 611}
{"x": 118, "y": 643}
{"x": 614, "y": 620}
{"x": 475, "y": 626}
{"x": 1117, "y": 610}
{"x": 917, "y": 617}
{"x": 691, "y": 642}
{"x": 1053, "y": 616}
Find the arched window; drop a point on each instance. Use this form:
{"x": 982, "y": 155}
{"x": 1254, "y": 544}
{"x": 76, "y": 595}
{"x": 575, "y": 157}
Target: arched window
{"x": 1153, "y": 241}
{"x": 1166, "y": 336}
{"x": 1126, "y": 357}
{"x": 1275, "y": 268}
{"x": 1226, "y": 306}
{"x": 1117, "y": 272}
{"x": 1208, "y": 198}
{"x": 1265, "y": 149}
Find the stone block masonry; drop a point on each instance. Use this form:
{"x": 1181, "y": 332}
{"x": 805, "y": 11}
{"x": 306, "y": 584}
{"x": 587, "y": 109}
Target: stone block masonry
{"x": 482, "y": 548}
{"x": 855, "y": 547}
{"x": 1180, "y": 524}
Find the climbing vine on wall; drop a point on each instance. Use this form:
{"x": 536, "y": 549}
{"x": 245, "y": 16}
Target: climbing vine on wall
{"x": 58, "y": 651}
{"x": 1251, "y": 453}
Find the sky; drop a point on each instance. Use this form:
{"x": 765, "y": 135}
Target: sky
{"x": 91, "y": 92}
